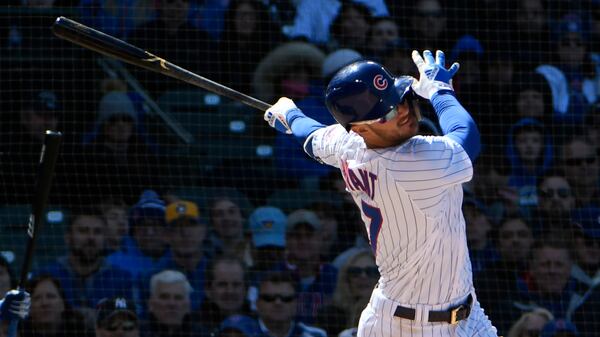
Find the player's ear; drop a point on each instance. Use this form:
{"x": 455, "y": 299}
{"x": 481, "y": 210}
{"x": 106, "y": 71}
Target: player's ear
{"x": 361, "y": 129}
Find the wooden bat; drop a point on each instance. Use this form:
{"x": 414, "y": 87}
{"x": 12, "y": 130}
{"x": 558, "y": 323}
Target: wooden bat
{"x": 111, "y": 46}
{"x": 45, "y": 172}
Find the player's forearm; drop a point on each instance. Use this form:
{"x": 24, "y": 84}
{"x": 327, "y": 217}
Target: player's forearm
{"x": 302, "y": 126}
{"x": 456, "y": 123}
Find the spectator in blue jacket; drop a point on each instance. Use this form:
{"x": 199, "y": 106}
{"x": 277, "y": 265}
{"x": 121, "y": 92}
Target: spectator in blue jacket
{"x": 146, "y": 247}
{"x": 84, "y": 274}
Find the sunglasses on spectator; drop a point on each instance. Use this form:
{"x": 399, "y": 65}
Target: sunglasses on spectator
{"x": 389, "y": 116}
{"x": 368, "y": 271}
{"x": 580, "y": 161}
{"x": 274, "y": 297}
{"x": 120, "y": 325}
{"x": 559, "y": 192}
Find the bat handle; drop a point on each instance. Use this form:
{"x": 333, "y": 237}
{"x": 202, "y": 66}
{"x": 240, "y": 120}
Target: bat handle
{"x": 12, "y": 328}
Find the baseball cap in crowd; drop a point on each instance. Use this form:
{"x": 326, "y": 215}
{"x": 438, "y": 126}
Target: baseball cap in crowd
{"x": 149, "y": 206}
{"x": 267, "y": 225}
{"x": 108, "y": 308}
{"x": 183, "y": 210}
{"x": 303, "y": 216}
{"x": 42, "y": 101}
{"x": 241, "y": 323}
{"x": 554, "y": 327}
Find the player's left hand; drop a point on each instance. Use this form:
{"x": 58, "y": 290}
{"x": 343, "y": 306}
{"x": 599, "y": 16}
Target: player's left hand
{"x": 433, "y": 73}
{"x": 276, "y": 115}
{"x": 15, "y": 305}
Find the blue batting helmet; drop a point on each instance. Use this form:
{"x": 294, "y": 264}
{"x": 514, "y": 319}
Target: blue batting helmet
{"x": 363, "y": 91}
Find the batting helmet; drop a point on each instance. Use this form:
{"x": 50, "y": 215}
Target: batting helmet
{"x": 364, "y": 91}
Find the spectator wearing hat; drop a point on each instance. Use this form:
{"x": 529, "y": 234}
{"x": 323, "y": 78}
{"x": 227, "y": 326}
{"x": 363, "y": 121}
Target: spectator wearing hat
{"x": 146, "y": 248}
{"x": 117, "y": 154}
{"x": 267, "y": 227}
{"x": 226, "y": 289}
{"x": 116, "y": 317}
{"x": 185, "y": 234}
{"x": 317, "y": 278}
{"x": 287, "y": 152}
{"x": 571, "y": 73}
{"x": 84, "y": 273}
{"x": 169, "y": 307}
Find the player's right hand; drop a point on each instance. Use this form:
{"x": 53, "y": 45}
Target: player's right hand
{"x": 433, "y": 73}
{"x": 15, "y": 305}
{"x": 276, "y": 115}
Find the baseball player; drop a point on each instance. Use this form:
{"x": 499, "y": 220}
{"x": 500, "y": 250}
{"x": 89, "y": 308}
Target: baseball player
{"x": 408, "y": 189}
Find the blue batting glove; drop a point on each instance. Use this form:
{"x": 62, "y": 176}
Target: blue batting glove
{"x": 15, "y": 305}
{"x": 276, "y": 115}
{"x": 433, "y": 73}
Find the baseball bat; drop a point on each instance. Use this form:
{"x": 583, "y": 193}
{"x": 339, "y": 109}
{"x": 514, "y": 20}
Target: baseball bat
{"x": 48, "y": 157}
{"x": 110, "y": 46}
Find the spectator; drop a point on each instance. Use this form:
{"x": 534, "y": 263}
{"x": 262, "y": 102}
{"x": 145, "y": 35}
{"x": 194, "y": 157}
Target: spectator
{"x": 481, "y": 249}
{"x": 548, "y": 283}
{"x": 248, "y": 35}
{"x": 355, "y": 282}
{"x": 490, "y": 185}
{"x": 117, "y": 154}
{"x": 497, "y": 283}
{"x": 287, "y": 152}
{"x": 277, "y": 307}
{"x": 267, "y": 225}
{"x": 530, "y": 151}
{"x": 287, "y": 71}
{"x": 317, "y": 278}
{"x": 114, "y": 212}
{"x": 116, "y": 317}
{"x": 555, "y": 203}
{"x": 84, "y": 274}
{"x": 396, "y": 58}
{"x": 314, "y": 18}
{"x": 170, "y": 307}
{"x": 328, "y": 213}
{"x": 225, "y": 292}
{"x": 532, "y": 97}
{"x": 580, "y": 164}
{"x": 186, "y": 231}
{"x": 228, "y": 235}
{"x": 383, "y": 32}
{"x": 350, "y": 28}
{"x": 530, "y": 34}
{"x": 146, "y": 248}
{"x": 239, "y": 326}
{"x": 50, "y": 315}
{"x": 586, "y": 251}
{"x": 427, "y": 28}
{"x": 530, "y": 323}
{"x": 571, "y": 73}
{"x": 170, "y": 35}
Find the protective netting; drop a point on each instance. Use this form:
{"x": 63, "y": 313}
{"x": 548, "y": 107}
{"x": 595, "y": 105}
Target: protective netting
{"x": 162, "y": 187}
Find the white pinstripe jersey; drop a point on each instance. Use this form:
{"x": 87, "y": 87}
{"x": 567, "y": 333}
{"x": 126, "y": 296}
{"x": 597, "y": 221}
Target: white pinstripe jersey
{"x": 410, "y": 198}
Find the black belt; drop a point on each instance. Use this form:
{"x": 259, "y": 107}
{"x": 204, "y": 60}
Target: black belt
{"x": 452, "y": 315}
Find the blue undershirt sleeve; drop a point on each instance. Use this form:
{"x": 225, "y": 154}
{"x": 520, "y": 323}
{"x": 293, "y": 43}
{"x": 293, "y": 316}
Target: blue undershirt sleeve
{"x": 456, "y": 122}
{"x": 302, "y": 127}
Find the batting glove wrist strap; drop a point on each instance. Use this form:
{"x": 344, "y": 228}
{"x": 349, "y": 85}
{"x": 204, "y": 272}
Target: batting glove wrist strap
{"x": 434, "y": 76}
{"x": 277, "y": 115}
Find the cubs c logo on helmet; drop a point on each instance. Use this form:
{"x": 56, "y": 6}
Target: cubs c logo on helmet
{"x": 379, "y": 82}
